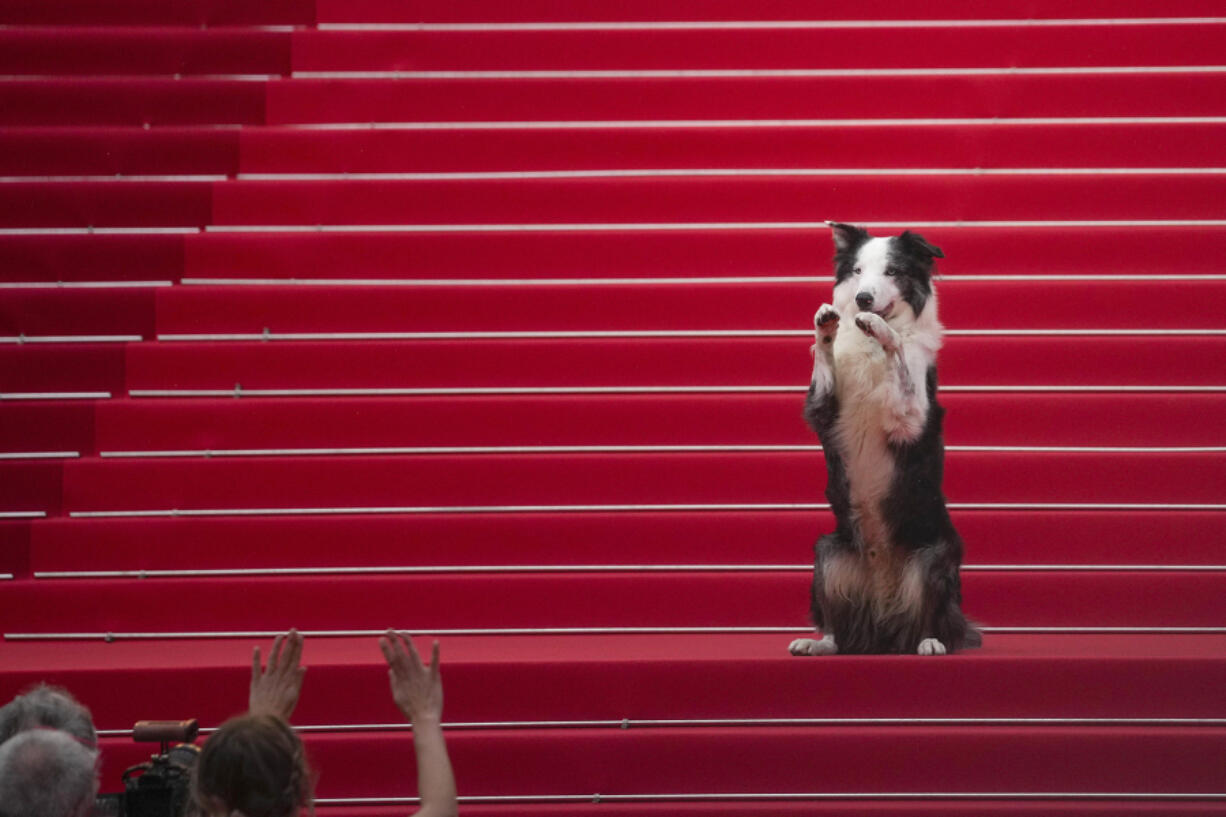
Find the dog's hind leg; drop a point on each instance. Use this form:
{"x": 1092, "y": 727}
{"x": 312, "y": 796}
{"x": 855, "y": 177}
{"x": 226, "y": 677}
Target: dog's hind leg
{"x": 818, "y": 607}
{"x": 943, "y": 627}
{"x": 838, "y": 578}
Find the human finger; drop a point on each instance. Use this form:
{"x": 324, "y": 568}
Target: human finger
{"x": 293, "y": 651}
{"x": 434, "y": 660}
{"x": 274, "y": 654}
{"x": 414, "y": 656}
{"x": 402, "y": 645}
{"x": 393, "y": 650}
{"x": 385, "y": 647}
{"x": 255, "y": 664}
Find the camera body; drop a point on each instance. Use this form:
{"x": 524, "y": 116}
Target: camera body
{"x": 161, "y": 786}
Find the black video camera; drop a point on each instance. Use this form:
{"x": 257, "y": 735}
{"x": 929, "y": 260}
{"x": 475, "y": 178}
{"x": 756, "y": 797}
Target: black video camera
{"x": 161, "y": 786}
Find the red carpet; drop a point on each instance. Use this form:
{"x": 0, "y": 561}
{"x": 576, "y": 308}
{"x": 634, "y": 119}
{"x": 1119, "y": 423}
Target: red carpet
{"x": 491, "y": 322}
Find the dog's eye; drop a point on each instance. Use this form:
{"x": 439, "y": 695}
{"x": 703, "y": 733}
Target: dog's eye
{"x": 891, "y": 271}
{"x": 856, "y": 270}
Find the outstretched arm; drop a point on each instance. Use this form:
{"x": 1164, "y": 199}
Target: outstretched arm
{"x": 418, "y": 692}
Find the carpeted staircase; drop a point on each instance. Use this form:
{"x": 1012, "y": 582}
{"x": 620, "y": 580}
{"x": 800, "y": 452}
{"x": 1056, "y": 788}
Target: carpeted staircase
{"x": 490, "y": 322}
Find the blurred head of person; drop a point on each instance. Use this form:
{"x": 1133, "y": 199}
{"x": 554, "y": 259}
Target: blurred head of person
{"x": 47, "y": 773}
{"x": 254, "y": 765}
{"x": 47, "y": 706}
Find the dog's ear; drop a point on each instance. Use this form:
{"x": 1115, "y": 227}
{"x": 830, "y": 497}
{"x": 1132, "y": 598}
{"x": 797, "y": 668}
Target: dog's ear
{"x": 918, "y": 242}
{"x": 847, "y": 236}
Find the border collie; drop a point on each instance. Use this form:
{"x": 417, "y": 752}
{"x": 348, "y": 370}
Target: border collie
{"x": 886, "y": 580}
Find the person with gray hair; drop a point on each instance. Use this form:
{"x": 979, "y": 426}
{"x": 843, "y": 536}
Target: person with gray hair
{"x": 47, "y": 773}
{"x": 50, "y": 707}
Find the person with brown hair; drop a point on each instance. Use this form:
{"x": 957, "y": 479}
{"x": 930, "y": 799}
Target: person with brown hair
{"x": 255, "y": 766}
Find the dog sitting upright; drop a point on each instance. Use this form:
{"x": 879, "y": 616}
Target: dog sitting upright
{"x": 886, "y": 580}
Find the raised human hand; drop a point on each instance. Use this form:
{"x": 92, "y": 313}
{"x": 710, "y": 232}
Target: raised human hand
{"x": 275, "y": 689}
{"x": 417, "y": 689}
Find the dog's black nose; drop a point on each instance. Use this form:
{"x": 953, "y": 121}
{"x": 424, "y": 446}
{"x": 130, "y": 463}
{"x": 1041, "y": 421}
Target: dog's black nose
{"x": 864, "y": 300}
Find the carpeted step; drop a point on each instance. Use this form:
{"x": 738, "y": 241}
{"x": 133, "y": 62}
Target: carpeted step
{"x": 748, "y": 307}
{"x": 485, "y": 11}
{"x": 137, "y": 50}
{"x": 451, "y": 480}
{"x": 741, "y": 760}
{"x": 1153, "y": 251}
{"x": 220, "y": 425}
{"x": 735, "y": 539}
{"x": 72, "y": 313}
{"x": 47, "y": 425}
{"x": 227, "y": 426}
{"x": 917, "y": 806}
{"x": 126, "y": 260}
{"x": 56, "y": 151}
{"x": 998, "y": 144}
{"x": 161, "y": 101}
{"x": 157, "y": 12}
{"x": 996, "y": 305}
{"x": 14, "y": 548}
{"x": 720, "y": 600}
{"x": 121, "y": 51}
{"x": 164, "y": 101}
{"x": 1181, "y": 93}
{"x": 704, "y": 599}
{"x": 106, "y": 204}
{"x": 647, "y": 677}
{"x": 1022, "y": 45}
{"x": 729, "y": 199}
{"x": 988, "y": 145}
{"x": 306, "y": 368}
{"x": 1149, "y": 251}
{"x": 587, "y": 363}
{"x": 1157, "y": 196}
{"x": 131, "y": 102}
{"x": 51, "y": 368}
{"x": 30, "y": 486}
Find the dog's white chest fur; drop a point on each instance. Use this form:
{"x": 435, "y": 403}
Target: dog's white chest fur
{"x": 863, "y": 391}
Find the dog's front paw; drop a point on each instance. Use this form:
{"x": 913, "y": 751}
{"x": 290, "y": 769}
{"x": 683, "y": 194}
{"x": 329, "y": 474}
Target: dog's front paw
{"x": 930, "y": 646}
{"x": 811, "y": 646}
{"x": 875, "y": 327}
{"x": 826, "y": 323}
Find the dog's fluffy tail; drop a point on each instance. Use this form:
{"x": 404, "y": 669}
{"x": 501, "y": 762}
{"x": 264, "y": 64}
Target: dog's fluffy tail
{"x": 959, "y": 631}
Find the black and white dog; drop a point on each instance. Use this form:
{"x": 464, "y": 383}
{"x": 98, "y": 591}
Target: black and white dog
{"x": 886, "y": 580}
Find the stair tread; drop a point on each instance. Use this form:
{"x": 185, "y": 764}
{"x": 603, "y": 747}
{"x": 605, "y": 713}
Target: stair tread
{"x": 647, "y": 677}
{"x": 1134, "y": 600}
{"x": 704, "y": 200}
{"x": 750, "y": 538}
